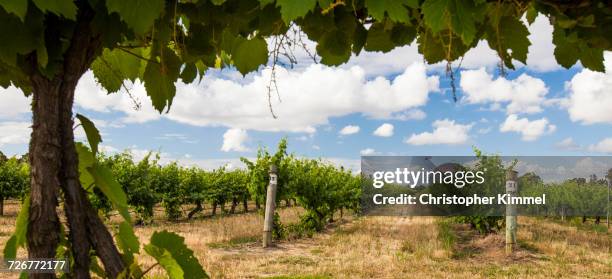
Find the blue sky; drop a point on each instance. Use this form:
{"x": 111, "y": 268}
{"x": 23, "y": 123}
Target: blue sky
{"x": 333, "y": 112}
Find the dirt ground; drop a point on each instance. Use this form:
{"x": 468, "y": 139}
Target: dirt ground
{"x": 380, "y": 247}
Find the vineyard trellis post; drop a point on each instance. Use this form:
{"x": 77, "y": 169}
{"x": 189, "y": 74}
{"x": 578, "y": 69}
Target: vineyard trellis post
{"x": 608, "y": 204}
{"x": 512, "y": 190}
{"x": 270, "y": 206}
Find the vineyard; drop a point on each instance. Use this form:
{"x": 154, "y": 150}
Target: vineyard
{"x": 219, "y": 214}
{"x": 319, "y": 187}
{"x": 197, "y": 66}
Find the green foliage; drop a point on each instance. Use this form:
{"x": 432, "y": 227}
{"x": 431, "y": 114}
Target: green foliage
{"x": 14, "y": 178}
{"x": 153, "y": 40}
{"x": 18, "y": 239}
{"x": 138, "y": 14}
{"x": 165, "y": 259}
{"x": 92, "y": 133}
{"x": 183, "y": 256}
{"x": 105, "y": 181}
{"x": 483, "y": 224}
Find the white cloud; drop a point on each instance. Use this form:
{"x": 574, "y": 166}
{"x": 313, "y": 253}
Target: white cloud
{"x": 480, "y": 56}
{"x": 445, "y": 132}
{"x": 234, "y": 139}
{"x": 13, "y": 103}
{"x": 367, "y": 152}
{"x": 307, "y": 99}
{"x": 316, "y": 147}
{"x": 604, "y": 146}
{"x": 590, "y": 93}
{"x": 384, "y": 130}
{"x": 349, "y": 130}
{"x": 530, "y": 130}
{"x": 411, "y": 114}
{"x": 540, "y": 56}
{"x": 91, "y": 96}
{"x": 385, "y": 64}
{"x": 12, "y": 132}
{"x": 484, "y": 131}
{"x": 525, "y": 94}
{"x": 568, "y": 144}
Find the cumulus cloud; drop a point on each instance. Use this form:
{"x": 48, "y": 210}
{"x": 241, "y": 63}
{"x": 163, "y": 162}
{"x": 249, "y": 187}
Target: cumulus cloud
{"x": 91, "y": 96}
{"x": 568, "y": 144}
{"x": 367, "y": 152}
{"x": 445, "y": 132}
{"x": 529, "y": 130}
{"x": 590, "y": 95}
{"x": 349, "y": 130}
{"x": 384, "y": 130}
{"x": 524, "y": 94}
{"x": 306, "y": 99}
{"x": 540, "y": 56}
{"x": 13, "y": 103}
{"x": 234, "y": 139}
{"x": 12, "y": 132}
{"x": 604, "y": 146}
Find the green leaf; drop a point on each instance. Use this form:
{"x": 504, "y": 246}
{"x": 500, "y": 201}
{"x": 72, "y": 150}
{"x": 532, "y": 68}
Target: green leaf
{"x": 159, "y": 79}
{"x": 18, "y": 37}
{"x": 18, "y": 239}
{"x": 127, "y": 241}
{"x": 531, "y": 14}
{"x": 65, "y": 8}
{"x": 175, "y": 244}
{"x": 292, "y": 9}
{"x": 86, "y": 160}
{"x": 431, "y": 48}
{"x": 396, "y": 10}
{"x": 92, "y": 133}
{"x": 509, "y": 39}
{"x": 334, "y": 47}
{"x": 248, "y": 55}
{"x": 458, "y": 15}
{"x": 17, "y": 7}
{"x": 165, "y": 259}
{"x": 107, "y": 184}
{"x": 592, "y": 58}
{"x": 566, "y": 52}
{"x": 379, "y": 39}
{"x": 138, "y": 14}
{"x": 114, "y": 66}
{"x": 434, "y": 14}
{"x": 189, "y": 73}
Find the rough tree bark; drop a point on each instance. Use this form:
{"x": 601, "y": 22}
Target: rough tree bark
{"x": 197, "y": 209}
{"x": 234, "y": 204}
{"x": 1, "y": 206}
{"x": 54, "y": 163}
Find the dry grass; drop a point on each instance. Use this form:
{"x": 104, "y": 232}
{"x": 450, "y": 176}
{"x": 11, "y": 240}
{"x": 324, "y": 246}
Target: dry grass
{"x": 383, "y": 247}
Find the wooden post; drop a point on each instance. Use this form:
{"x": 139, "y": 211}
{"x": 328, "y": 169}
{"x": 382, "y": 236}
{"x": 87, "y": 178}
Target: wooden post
{"x": 608, "y": 204}
{"x": 270, "y": 207}
{"x": 511, "y": 189}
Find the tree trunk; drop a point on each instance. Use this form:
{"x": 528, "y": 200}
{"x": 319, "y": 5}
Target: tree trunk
{"x": 1, "y": 206}
{"x": 245, "y": 205}
{"x": 257, "y": 205}
{"x": 197, "y": 209}
{"x": 214, "y": 210}
{"x": 45, "y": 159}
{"x": 287, "y": 203}
{"x": 54, "y": 163}
{"x": 234, "y": 204}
